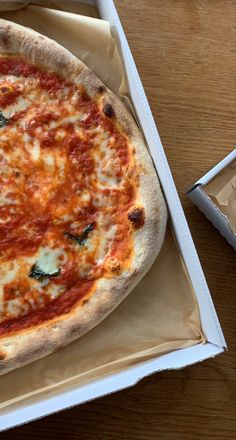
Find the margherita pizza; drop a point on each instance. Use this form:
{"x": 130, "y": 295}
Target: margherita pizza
{"x": 82, "y": 216}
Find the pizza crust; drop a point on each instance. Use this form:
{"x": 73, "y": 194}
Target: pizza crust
{"x": 33, "y": 343}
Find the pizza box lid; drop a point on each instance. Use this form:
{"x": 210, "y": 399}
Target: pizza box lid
{"x": 177, "y": 359}
{"x": 214, "y": 195}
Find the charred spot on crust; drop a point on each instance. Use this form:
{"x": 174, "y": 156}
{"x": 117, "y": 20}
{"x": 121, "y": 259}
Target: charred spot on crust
{"x": 101, "y": 90}
{"x": 136, "y": 217}
{"x": 85, "y": 301}
{"x": 108, "y": 111}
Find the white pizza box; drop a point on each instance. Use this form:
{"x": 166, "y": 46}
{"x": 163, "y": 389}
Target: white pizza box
{"x": 225, "y": 183}
{"x": 210, "y": 324}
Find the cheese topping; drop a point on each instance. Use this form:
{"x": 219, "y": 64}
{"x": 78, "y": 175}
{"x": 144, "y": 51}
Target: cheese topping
{"x": 64, "y": 194}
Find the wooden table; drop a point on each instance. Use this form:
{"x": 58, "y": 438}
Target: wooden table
{"x": 185, "y": 53}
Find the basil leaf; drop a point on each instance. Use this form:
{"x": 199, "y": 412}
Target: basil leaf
{"x": 81, "y": 239}
{"x": 38, "y": 274}
{"x": 3, "y": 121}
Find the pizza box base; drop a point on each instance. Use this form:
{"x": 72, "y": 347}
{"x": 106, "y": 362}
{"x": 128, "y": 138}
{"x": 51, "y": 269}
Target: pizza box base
{"x": 210, "y": 324}
{"x": 198, "y": 194}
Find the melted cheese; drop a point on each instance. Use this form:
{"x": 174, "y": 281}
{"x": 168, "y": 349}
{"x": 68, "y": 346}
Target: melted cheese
{"x": 32, "y": 146}
{"x": 20, "y": 105}
{"x": 8, "y": 273}
{"x": 105, "y": 157}
{"x": 41, "y": 173}
{"x": 6, "y": 199}
{"x": 49, "y": 260}
{"x": 68, "y": 120}
{"x": 105, "y": 243}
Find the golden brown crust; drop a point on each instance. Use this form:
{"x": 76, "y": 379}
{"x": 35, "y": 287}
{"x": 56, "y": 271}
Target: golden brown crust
{"x": 38, "y": 49}
{"x": 149, "y": 223}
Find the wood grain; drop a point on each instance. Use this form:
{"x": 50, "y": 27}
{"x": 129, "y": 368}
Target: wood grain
{"x": 185, "y": 53}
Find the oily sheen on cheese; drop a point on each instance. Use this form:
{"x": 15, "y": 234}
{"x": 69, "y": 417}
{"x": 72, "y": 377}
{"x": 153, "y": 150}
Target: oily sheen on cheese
{"x": 68, "y": 180}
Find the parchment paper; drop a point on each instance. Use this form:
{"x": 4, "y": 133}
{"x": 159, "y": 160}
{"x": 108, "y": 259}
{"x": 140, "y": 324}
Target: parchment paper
{"x": 161, "y": 314}
{"x": 222, "y": 190}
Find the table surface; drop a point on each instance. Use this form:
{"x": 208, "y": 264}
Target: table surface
{"x": 185, "y": 53}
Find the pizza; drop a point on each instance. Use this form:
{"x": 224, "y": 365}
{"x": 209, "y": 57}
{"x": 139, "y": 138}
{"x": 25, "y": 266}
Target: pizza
{"x": 82, "y": 215}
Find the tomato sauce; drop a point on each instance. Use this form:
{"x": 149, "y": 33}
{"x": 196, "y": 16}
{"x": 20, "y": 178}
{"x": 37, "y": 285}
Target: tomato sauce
{"x": 57, "y": 307}
{"x": 40, "y": 120}
{"x": 8, "y": 94}
{"x": 32, "y": 222}
{"x": 18, "y": 67}
{"x": 17, "y": 240}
